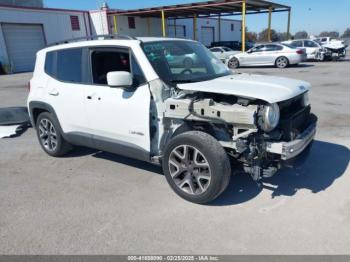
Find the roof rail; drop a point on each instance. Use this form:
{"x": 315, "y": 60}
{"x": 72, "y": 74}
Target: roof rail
{"x": 94, "y": 37}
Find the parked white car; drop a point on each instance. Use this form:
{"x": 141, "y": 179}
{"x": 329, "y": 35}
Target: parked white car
{"x": 223, "y": 53}
{"x": 271, "y": 54}
{"x": 314, "y": 50}
{"x": 122, "y": 95}
{"x": 335, "y": 46}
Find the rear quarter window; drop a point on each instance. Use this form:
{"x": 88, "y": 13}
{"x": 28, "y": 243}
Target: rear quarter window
{"x": 49, "y": 64}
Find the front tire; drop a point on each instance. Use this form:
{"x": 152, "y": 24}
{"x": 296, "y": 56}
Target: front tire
{"x": 282, "y": 62}
{"x": 196, "y": 167}
{"x": 50, "y": 137}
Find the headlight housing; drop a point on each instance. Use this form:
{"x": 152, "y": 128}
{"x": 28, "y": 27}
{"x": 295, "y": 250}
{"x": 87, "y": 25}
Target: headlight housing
{"x": 269, "y": 117}
{"x": 306, "y": 100}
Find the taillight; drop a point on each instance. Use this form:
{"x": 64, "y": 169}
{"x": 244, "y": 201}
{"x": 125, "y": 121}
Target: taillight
{"x": 300, "y": 52}
{"x": 28, "y": 86}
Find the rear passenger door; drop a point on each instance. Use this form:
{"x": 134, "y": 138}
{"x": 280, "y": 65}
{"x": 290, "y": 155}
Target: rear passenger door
{"x": 65, "y": 88}
{"x": 271, "y": 53}
{"x": 118, "y": 118}
{"x": 311, "y": 48}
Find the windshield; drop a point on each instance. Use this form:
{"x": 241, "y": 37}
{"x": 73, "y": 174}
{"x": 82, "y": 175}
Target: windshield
{"x": 184, "y": 61}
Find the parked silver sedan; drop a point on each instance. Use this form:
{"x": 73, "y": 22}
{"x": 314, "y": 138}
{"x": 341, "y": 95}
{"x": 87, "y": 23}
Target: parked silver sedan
{"x": 271, "y": 54}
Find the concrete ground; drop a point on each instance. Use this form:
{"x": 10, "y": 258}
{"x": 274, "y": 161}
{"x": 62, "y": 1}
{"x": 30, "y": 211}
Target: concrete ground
{"x": 98, "y": 203}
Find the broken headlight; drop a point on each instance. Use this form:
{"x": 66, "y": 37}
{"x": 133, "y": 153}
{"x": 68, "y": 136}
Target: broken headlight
{"x": 269, "y": 117}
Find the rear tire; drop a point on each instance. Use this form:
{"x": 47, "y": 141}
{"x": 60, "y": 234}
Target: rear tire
{"x": 50, "y": 137}
{"x": 196, "y": 167}
{"x": 282, "y": 62}
{"x": 233, "y": 63}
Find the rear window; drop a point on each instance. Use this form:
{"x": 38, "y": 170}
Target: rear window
{"x": 290, "y": 46}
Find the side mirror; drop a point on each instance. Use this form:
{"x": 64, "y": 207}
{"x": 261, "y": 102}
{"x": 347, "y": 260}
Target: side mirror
{"x": 121, "y": 79}
{"x": 250, "y": 51}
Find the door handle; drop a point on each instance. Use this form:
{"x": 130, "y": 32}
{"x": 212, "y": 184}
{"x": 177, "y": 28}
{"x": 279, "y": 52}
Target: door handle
{"x": 54, "y": 92}
{"x": 90, "y": 97}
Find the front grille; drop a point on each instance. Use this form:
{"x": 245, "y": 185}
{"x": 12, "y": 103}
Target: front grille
{"x": 294, "y": 117}
{"x": 291, "y": 106}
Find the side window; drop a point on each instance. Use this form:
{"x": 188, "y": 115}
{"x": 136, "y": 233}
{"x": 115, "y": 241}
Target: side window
{"x": 215, "y": 50}
{"x": 258, "y": 48}
{"x": 310, "y": 44}
{"x": 69, "y": 65}
{"x": 49, "y": 64}
{"x": 273, "y": 48}
{"x": 297, "y": 44}
{"x": 105, "y": 61}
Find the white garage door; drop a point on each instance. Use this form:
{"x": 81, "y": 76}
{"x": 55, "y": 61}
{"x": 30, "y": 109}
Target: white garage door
{"x": 22, "y": 43}
{"x": 180, "y": 31}
{"x": 207, "y": 35}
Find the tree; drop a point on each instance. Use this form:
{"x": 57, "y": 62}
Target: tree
{"x": 251, "y": 36}
{"x": 346, "y": 33}
{"x": 333, "y": 34}
{"x": 284, "y": 36}
{"x": 263, "y": 36}
{"x": 301, "y": 35}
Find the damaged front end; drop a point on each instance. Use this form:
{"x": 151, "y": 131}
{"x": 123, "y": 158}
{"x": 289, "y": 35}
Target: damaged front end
{"x": 261, "y": 136}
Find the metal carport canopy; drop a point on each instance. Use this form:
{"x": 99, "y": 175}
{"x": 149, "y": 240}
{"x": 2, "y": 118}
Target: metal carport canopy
{"x": 216, "y": 8}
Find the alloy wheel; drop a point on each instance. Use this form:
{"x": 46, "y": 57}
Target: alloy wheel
{"x": 233, "y": 63}
{"x": 189, "y": 169}
{"x": 282, "y": 62}
{"x": 48, "y": 135}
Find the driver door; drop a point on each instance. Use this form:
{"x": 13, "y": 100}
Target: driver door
{"x": 118, "y": 118}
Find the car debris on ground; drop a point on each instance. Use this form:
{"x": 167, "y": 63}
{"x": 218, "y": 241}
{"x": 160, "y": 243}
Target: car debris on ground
{"x": 13, "y": 120}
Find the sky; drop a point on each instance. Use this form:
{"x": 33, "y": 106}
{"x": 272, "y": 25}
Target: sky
{"x": 314, "y": 16}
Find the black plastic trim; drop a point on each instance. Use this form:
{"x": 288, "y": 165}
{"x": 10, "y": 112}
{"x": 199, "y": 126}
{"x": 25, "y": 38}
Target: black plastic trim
{"x": 109, "y": 145}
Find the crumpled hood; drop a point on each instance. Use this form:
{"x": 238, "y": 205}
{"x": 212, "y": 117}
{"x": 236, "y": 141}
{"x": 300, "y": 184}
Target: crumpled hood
{"x": 268, "y": 88}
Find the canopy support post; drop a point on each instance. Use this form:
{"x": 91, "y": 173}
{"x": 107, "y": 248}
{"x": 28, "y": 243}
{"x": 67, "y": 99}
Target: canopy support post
{"x": 195, "y": 27}
{"x": 115, "y": 24}
{"x": 269, "y": 25}
{"x": 288, "y": 25}
{"x": 243, "y": 24}
{"x": 163, "y": 23}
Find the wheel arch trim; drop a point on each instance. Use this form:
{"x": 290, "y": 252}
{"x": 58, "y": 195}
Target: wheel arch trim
{"x": 33, "y": 105}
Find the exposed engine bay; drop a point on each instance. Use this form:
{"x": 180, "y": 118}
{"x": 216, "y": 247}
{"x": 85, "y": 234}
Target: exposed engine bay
{"x": 244, "y": 127}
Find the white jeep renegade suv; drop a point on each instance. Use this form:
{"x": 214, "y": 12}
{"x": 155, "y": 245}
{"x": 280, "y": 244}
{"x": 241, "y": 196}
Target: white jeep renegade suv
{"x": 170, "y": 102}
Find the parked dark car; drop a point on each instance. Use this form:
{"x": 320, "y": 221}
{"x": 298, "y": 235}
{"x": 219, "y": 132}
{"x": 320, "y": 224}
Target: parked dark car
{"x": 234, "y": 45}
